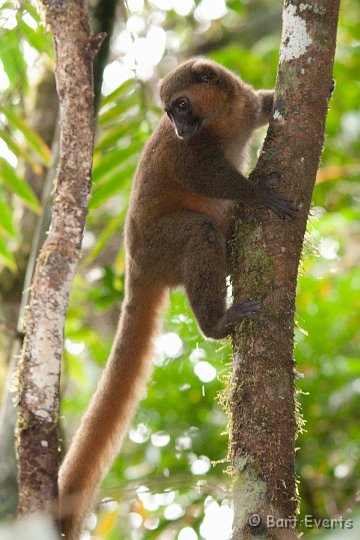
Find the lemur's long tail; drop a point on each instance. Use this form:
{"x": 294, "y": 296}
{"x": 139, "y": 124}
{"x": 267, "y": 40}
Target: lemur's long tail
{"x": 112, "y": 407}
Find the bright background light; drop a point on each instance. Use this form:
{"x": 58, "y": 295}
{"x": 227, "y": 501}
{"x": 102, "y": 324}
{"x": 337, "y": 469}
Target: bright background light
{"x": 201, "y": 465}
{"x": 210, "y": 10}
{"x": 187, "y": 533}
{"x": 217, "y": 522}
{"x": 169, "y": 345}
{"x": 205, "y": 371}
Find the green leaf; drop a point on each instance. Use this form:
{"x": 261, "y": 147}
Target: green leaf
{"x": 6, "y": 256}
{"x": 119, "y": 92}
{"x": 18, "y": 149}
{"x": 35, "y": 11}
{"x": 12, "y": 58}
{"x": 114, "y": 112}
{"x": 36, "y": 38}
{"x": 9, "y": 177}
{"x": 114, "y": 225}
{"x": 113, "y": 136}
{"x": 112, "y": 186}
{"x": 115, "y": 159}
{"x": 33, "y": 139}
{"x": 6, "y": 220}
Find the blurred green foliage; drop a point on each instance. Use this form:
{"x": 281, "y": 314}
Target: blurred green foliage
{"x": 172, "y": 465}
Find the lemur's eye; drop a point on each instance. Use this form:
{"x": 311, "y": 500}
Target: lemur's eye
{"x": 182, "y": 104}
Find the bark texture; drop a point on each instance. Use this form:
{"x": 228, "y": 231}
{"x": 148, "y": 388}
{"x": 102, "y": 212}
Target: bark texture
{"x": 39, "y": 367}
{"x": 266, "y": 254}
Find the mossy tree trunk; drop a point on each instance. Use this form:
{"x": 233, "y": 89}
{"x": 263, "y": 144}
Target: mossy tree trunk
{"x": 40, "y": 361}
{"x": 266, "y": 254}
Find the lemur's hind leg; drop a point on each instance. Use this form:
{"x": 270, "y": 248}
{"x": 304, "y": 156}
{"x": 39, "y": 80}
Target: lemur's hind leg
{"x": 204, "y": 275}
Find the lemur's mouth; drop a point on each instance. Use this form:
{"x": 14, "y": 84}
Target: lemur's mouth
{"x": 187, "y": 130}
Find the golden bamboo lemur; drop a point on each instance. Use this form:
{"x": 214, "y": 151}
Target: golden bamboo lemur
{"x": 180, "y": 212}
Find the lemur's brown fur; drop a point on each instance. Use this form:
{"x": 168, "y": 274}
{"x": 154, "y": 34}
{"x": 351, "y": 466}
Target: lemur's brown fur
{"x": 179, "y": 216}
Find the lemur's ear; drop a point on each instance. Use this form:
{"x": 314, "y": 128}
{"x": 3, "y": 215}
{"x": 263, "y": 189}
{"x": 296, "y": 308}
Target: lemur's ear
{"x": 207, "y": 72}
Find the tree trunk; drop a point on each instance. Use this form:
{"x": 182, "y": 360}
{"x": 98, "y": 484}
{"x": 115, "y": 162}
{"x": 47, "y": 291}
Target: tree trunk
{"x": 266, "y": 254}
{"x": 42, "y": 120}
{"x": 33, "y": 230}
{"x": 40, "y": 362}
